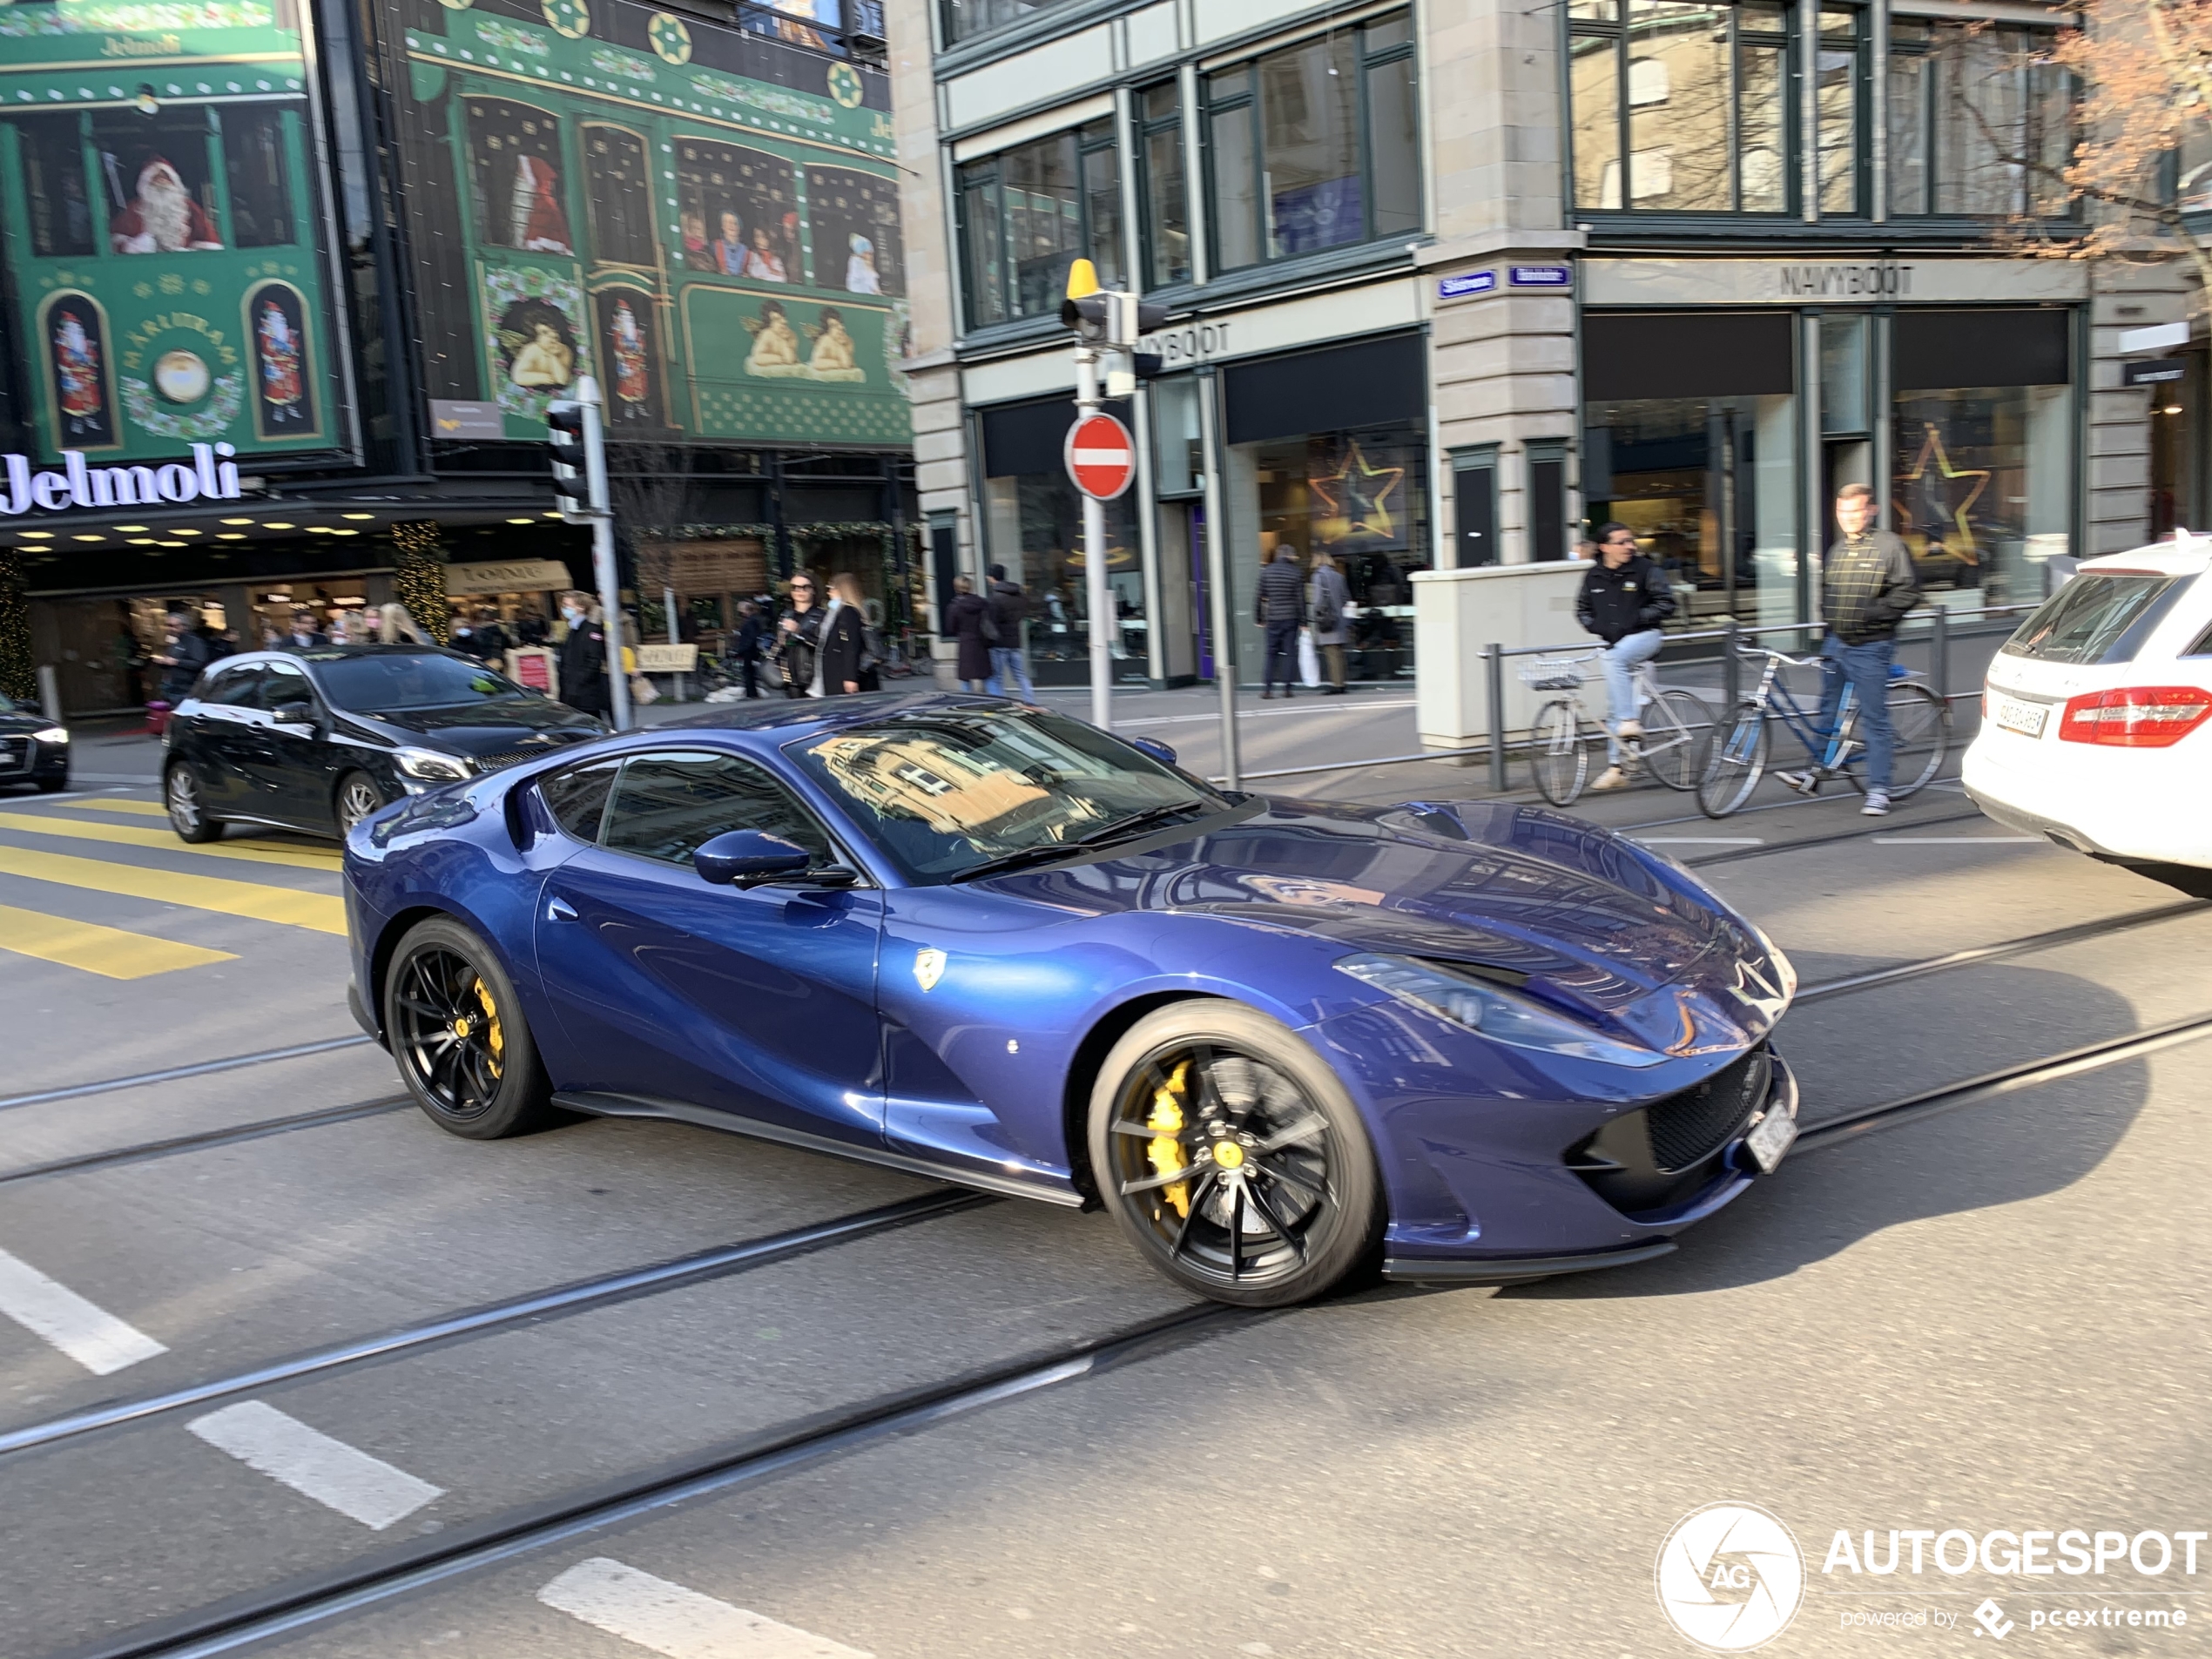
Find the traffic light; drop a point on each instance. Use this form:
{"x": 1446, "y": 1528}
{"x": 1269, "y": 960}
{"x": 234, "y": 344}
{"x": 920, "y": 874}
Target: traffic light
{"x": 1104, "y": 318}
{"x": 571, "y": 459}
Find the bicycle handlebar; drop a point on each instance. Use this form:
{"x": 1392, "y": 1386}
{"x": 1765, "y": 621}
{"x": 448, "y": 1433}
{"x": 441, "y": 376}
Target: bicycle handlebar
{"x": 1783, "y": 658}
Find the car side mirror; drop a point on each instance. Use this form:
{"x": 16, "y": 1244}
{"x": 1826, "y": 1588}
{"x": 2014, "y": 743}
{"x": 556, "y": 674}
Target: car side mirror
{"x": 1153, "y": 746}
{"x": 294, "y": 714}
{"x": 748, "y": 857}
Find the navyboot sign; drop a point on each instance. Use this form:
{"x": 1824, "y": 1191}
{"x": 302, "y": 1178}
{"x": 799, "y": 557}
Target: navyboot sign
{"x": 211, "y": 475}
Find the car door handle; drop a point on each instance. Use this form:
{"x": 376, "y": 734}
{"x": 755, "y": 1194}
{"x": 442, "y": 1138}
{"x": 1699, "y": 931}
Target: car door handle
{"x": 559, "y": 910}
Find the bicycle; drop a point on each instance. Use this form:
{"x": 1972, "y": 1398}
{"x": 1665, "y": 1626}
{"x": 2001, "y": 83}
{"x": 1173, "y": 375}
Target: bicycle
{"x": 1677, "y": 727}
{"x": 1919, "y": 726}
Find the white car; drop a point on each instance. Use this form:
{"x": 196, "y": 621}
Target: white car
{"x": 2097, "y": 727}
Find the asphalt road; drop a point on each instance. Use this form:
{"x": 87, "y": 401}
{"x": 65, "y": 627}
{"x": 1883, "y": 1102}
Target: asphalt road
{"x": 277, "y": 1348}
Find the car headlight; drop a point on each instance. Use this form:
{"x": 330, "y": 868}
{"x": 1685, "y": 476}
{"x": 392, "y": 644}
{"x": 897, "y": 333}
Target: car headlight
{"x": 51, "y": 734}
{"x": 433, "y": 767}
{"x": 1497, "y": 1014}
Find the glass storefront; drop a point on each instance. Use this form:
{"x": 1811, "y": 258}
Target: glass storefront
{"x": 1691, "y": 439}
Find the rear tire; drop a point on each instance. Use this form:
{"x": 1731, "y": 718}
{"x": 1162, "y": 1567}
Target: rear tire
{"x": 1677, "y": 739}
{"x": 52, "y": 786}
{"x": 1739, "y": 758}
{"x": 188, "y": 813}
{"x": 1919, "y": 735}
{"x": 454, "y": 1025}
{"x": 356, "y": 796}
{"x": 1281, "y": 1200}
{"x": 1557, "y": 756}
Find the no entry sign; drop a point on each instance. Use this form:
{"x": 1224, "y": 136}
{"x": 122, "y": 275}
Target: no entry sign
{"x": 1101, "y": 457}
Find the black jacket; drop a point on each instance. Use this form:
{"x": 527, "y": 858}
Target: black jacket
{"x": 750, "y": 632}
{"x": 845, "y": 653}
{"x": 795, "y": 650}
{"x": 963, "y": 623}
{"x": 1632, "y": 600}
{"x": 1009, "y": 606}
{"x": 1281, "y": 595}
{"x": 583, "y": 668}
{"x": 188, "y": 656}
{"x": 1866, "y": 586}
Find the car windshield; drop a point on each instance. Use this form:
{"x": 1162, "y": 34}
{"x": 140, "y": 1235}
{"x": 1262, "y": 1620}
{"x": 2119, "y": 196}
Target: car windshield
{"x": 947, "y": 792}
{"x": 2085, "y": 621}
{"x": 410, "y": 679}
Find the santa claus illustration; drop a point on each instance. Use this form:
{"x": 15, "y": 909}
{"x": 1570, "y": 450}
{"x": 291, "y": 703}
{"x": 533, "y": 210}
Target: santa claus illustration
{"x": 535, "y": 221}
{"x": 162, "y": 217}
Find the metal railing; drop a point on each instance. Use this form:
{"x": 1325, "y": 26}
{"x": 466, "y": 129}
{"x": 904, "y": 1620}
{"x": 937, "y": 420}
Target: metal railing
{"x": 1940, "y": 633}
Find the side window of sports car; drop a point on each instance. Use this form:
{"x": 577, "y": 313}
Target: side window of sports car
{"x": 236, "y": 688}
{"x": 666, "y": 804}
{"x": 577, "y": 799}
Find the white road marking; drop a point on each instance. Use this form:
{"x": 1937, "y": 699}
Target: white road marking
{"x": 357, "y": 1486}
{"x": 1958, "y": 840}
{"x": 679, "y": 1623}
{"x": 1699, "y": 840}
{"x": 91, "y": 1336}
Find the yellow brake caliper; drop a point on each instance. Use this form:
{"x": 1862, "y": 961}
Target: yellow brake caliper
{"x": 1166, "y": 1154}
{"x": 491, "y": 1024}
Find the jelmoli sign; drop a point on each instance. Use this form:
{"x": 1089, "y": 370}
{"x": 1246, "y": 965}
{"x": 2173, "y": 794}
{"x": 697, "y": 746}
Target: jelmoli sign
{"x": 210, "y": 475}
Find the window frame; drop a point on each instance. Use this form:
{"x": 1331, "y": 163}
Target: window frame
{"x": 1789, "y": 39}
{"x": 1090, "y": 138}
{"x": 1930, "y": 51}
{"x": 1143, "y": 130}
{"x": 1364, "y": 62}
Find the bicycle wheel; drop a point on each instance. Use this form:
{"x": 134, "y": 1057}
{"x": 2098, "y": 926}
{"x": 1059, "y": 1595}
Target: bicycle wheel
{"x": 1919, "y": 735}
{"x": 1677, "y": 739}
{"x": 1556, "y": 753}
{"x": 1738, "y": 760}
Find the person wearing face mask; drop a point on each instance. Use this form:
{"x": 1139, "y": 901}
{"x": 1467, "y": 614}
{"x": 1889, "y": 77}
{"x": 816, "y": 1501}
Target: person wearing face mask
{"x": 583, "y": 658}
{"x": 798, "y": 639}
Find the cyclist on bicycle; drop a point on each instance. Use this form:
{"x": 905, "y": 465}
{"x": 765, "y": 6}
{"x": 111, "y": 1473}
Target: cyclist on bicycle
{"x": 1866, "y": 586}
{"x": 1623, "y": 599}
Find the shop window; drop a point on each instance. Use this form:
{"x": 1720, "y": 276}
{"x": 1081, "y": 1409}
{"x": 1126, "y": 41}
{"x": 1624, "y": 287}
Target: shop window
{"x": 254, "y": 167}
{"x": 2192, "y": 191}
{"x": 1315, "y": 146}
{"x": 1690, "y": 438}
{"x": 1164, "y": 185}
{"x": 1685, "y": 107}
{"x": 965, "y": 19}
{"x": 1026, "y": 214}
{"x": 1981, "y": 483}
{"x": 738, "y": 210}
{"x": 854, "y": 219}
{"x": 621, "y": 196}
{"x": 160, "y": 171}
{"x": 1980, "y": 124}
{"x": 1841, "y": 83}
{"x": 51, "y": 150}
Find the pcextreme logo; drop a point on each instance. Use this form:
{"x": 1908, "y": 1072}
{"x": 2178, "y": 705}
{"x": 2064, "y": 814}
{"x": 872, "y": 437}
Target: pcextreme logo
{"x": 1731, "y": 1577}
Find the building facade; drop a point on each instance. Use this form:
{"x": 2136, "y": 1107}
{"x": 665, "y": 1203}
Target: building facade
{"x": 1453, "y": 282}
{"x": 290, "y": 284}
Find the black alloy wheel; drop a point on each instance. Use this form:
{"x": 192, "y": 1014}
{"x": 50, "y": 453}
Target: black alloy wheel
{"x": 1232, "y": 1157}
{"x": 357, "y": 798}
{"x": 454, "y": 1025}
{"x": 188, "y": 813}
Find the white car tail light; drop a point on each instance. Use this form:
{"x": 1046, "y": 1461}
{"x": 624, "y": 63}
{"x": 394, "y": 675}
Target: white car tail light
{"x": 2140, "y": 716}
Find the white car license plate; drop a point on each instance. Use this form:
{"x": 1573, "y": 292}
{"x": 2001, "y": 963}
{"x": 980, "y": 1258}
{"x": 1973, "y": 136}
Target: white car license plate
{"x": 1771, "y": 1139}
{"x": 2026, "y": 718}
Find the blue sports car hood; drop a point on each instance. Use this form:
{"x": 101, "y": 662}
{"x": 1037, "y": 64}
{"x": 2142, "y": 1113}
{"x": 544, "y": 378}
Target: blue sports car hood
{"x": 1591, "y": 919}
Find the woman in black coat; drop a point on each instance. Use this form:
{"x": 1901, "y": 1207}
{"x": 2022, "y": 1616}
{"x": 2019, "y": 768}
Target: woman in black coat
{"x": 964, "y": 619}
{"x": 847, "y": 664}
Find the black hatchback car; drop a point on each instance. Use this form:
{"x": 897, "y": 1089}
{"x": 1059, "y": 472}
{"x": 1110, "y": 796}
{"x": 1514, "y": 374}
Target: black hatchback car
{"x": 317, "y": 740}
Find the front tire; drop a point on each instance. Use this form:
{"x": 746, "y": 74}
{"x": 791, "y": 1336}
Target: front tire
{"x": 1739, "y": 758}
{"x": 1278, "y": 1199}
{"x": 1557, "y": 756}
{"x": 52, "y": 786}
{"x": 1919, "y": 734}
{"x": 454, "y": 1025}
{"x": 188, "y": 813}
{"x": 1677, "y": 739}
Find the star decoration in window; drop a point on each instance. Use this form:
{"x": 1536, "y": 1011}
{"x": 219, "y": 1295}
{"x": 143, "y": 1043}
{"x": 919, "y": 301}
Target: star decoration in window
{"x": 1359, "y": 493}
{"x": 1936, "y": 494}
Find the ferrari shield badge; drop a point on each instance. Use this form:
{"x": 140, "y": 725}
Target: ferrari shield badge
{"x": 929, "y": 968}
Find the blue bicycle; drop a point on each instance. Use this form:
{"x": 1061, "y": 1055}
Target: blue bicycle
{"x": 1919, "y": 728}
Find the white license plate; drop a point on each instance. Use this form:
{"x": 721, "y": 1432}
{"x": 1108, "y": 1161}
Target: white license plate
{"x": 1771, "y": 1139}
{"x": 2026, "y": 718}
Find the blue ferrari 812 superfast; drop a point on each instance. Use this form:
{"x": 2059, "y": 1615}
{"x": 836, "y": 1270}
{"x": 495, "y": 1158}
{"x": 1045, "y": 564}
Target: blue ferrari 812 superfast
{"x": 1282, "y": 1041}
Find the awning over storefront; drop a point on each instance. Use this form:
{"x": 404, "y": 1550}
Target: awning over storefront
{"x": 508, "y": 575}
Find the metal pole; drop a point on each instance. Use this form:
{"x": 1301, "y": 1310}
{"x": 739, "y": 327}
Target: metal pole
{"x": 668, "y": 609}
{"x": 1731, "y": 670}
{"x": 1940, "y": 652}
{"x": 604, "y": 569}
{"x": 1098, "y": 599}
{"x": 1218, "y": 603}
{"x": 1494, "y": 668}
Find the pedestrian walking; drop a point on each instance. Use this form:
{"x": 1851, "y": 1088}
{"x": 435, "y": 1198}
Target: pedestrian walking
{"x": 1279, "y": 607}
{"x": 752, "y": 632}
{"x": 182, "y": 655}
{"x": 966, "y": 620}
{"x": 798, "y": 639}
{"x": 1328, "y": 597}
{"x": 583, "y": 657}
{"x": 1009, "y": 657}
{"x": 1866, "y": 586}
{"x": 1624, "y": 598}
{"x": 305, "y": 635}
{"x": 848, "y": 656}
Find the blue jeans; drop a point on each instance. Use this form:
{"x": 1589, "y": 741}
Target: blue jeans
{"x": 1867, "y": 669}
{"x": 1282, "y": 654}
{"x": 1620, "y": 660}
{"x": 1009, "y": 667}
